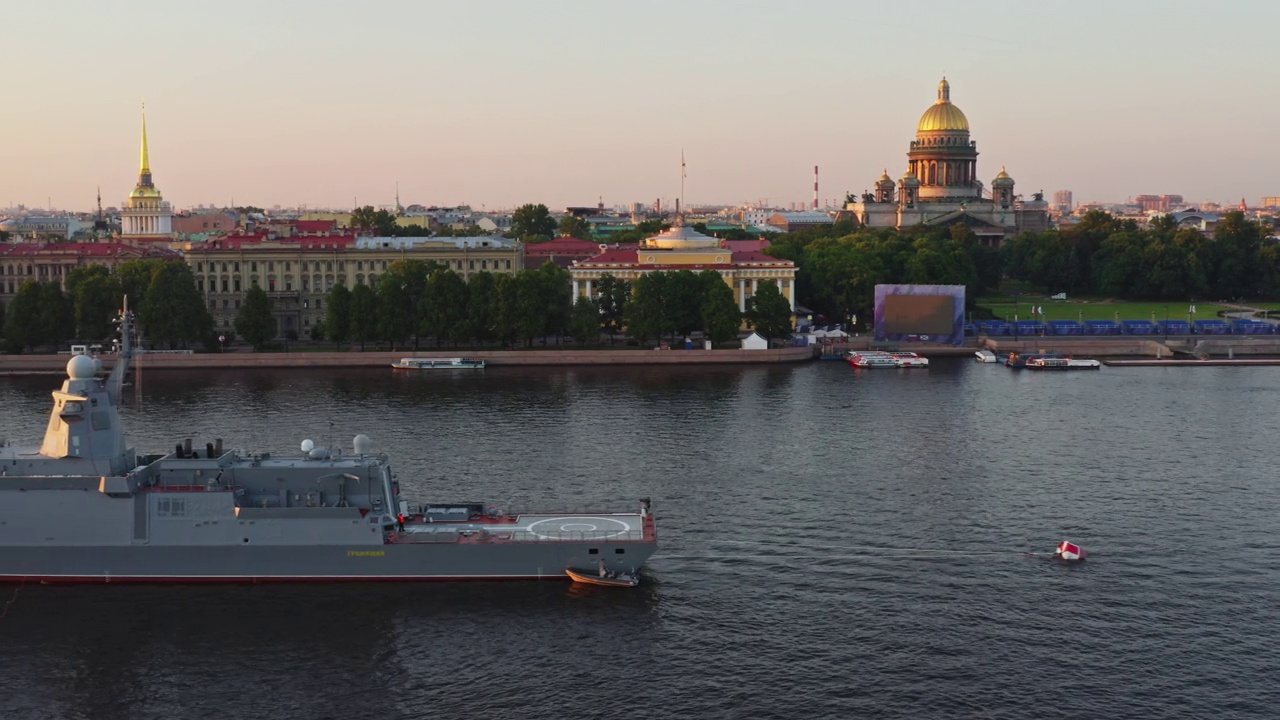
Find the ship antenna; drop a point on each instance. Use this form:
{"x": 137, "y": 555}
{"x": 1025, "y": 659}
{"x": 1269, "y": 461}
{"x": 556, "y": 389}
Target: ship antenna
{"x": 115, "y": 381}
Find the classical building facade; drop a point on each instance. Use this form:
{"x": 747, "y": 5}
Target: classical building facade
{"x": 53, "y": 261}
{"x": 941, "y": 185}
{"x": 299, "y": 272}
{"x": 742, "y": 265}
{"x": 145, "y": 216}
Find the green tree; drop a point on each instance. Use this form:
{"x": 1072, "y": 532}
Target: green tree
{"x": 22, "y": 323}
{"x": 573, "y": 226}
{"x": 530, "y": 306}
{"x": 364, "y": 315}
{"x": 482, "y": 307}
{"x": 402, "y": 291}
{"x": 57, "y": 316}
{"x": 173, "y": 311}
{"x": 135, "y": 279}
{"x": 613, "y": 296}
{"x": 585, "y": 323}
{"x": 95, "y": 299}
{"x": 720, "y": 315}
{"x": 380, "y": 222}
{"x": 685, "y": 293}
{"x": 506, "y": 321}
{"x": 445, "y": 310}
{"x": 556, "y": 290}
{"x": 769, "y": 312}
{"x": 647, "y": 315}
{"x": 254, "y": 322}
{"x": 337, "y": 322}
{"x": 531, "y": 222}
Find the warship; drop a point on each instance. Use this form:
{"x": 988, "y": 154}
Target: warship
{"x": 85, "y": 507}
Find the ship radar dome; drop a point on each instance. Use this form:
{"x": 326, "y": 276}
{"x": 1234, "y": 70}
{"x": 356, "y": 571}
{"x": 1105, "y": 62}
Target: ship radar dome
{"x": 81, "y": 367}
{"x": 362, "y": 444}
{"x": 308, "y": 446}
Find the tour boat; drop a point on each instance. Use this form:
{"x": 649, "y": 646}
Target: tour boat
{"x": 456, "y": 363}
{"x": 909, "y": 359}
{"x": 593, "y": 577}
{"x": 1052, "y": 362}
{"x": 872, "y": 360}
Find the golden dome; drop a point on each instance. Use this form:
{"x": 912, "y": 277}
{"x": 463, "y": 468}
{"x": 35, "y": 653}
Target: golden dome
{"x": 942, "y": 115}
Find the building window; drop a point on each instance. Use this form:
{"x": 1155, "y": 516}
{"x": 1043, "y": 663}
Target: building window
{"x": 319, "y": 304}
{"x": 199, "y": 267}
{"x": 329, "y": 266}
{"x": 236, "y": 282}
{"x": 471, "y": 264}
{"x": 237, "y": 303}
{"x": 271, "y": 266}
{"x": 508, "y": 264}
{"x": 253, "y": 266}
{"x": 359, "y": 264}
{"x": 236, "y": 266}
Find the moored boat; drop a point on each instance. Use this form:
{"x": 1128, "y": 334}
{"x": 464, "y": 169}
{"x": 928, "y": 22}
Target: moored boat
{"x": 872, "y": 359}
{"x": 985, "y": 356}
{"x": 607, "y": 579}
{"x": 454, "y": 363}
{"x": 909, "y": 360}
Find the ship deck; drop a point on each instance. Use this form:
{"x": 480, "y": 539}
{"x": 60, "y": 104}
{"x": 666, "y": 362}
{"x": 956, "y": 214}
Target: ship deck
{"x": 533, "y": 528}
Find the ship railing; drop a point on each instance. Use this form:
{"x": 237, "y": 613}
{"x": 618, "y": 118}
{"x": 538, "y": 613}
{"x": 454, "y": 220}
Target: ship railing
{"x": 518, "y": 536}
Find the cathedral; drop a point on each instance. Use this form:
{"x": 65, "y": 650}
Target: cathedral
{"x": 941, "y": 185}
{"x": 146, "y": 217}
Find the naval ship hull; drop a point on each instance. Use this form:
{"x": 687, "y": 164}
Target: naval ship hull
{"x": 353, "y": 563}
{"x": 85, "y": 506}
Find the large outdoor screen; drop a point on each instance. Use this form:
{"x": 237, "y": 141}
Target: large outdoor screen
{"x": 918, "y": 314}
{"x": 929, "y": 313}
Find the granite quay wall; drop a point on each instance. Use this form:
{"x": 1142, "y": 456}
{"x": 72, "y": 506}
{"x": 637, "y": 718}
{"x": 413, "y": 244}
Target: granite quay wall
{"x": 57, "y": 363}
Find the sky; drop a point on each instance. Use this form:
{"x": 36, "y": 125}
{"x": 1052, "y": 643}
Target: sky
{"x": 497, "y": 103}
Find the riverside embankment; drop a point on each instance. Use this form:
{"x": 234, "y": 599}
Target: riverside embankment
{"x": 12, "y": 364}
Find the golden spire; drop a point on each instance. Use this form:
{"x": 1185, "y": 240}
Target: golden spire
{"x": 944, "y": 90}
{"x": 146, "y": 162}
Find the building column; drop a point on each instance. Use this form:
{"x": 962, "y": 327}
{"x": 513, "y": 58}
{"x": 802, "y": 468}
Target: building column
{"x": 575, "y": 291}
{"x": 791, "y": 293}
{"x": 589, "y": 296}
{"x": 742, "y": 295}
{"x": 755, "y": 287}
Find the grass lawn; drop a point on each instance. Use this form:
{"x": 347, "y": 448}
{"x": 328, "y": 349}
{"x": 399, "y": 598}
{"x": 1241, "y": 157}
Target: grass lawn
{"x": 1082, "y": 310}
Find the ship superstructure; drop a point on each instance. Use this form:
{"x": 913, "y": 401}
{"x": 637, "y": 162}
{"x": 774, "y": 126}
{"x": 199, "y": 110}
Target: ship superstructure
{"x": 85, "y": 507}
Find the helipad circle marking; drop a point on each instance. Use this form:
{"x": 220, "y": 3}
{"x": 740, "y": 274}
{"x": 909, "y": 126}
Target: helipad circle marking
{"x": 552, "y": 528}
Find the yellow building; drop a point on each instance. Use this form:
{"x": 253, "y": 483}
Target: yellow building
{"x": 299, "y": 273}
{"x": 742, "y": 264}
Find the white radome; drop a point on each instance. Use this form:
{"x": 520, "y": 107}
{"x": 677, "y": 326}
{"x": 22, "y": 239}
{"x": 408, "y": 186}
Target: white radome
{"x": 308, "y": 446}
{"x": 362, "y": 444}
{"x": 81, "y": 367}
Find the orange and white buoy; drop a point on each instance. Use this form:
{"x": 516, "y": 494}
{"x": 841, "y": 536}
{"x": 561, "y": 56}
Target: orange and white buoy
{"x": 1069, "y": 551}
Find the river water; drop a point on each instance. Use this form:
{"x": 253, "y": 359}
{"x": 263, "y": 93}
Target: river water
{"x": 835, "y": 543}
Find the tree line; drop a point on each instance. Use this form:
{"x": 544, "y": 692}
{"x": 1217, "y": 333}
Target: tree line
{"x": 1105, "y": 255}
{"x": 418, "y": 301}
{"x": 838, "y": 267}
{"x": 162, "y": 292}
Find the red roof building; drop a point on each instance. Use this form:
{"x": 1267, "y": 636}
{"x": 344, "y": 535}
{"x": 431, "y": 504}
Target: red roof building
{"x": 43, "y": 262}
{"x": 563, "y": 251}
{"x": 683, "y": 248}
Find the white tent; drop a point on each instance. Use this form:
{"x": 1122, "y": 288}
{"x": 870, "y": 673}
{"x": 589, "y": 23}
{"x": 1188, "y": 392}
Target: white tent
{"x": 755, "y": 341}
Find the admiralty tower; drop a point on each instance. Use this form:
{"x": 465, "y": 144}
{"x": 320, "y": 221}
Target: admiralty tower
{"x": 145, "y": 216}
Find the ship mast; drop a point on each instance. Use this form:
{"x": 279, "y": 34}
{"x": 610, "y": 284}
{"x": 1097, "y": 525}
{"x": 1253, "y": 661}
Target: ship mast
{"x": 115, "y": 381}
